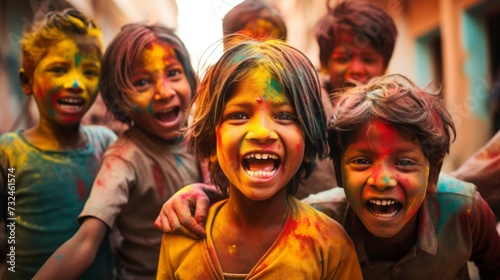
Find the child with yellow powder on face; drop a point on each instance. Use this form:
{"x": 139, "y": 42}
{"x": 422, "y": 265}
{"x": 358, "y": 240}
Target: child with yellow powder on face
{"x": 148, "y": 79}
{"x": 51, "y": 166}
{"x": 259, "y": 121}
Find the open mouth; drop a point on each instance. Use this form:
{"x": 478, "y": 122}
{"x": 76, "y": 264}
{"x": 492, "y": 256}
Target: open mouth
{"x": 71, "y": 102}
{"x": 167, "y": 115}
{"x": 261, "y": 165}
{"x": 385, "y": 208}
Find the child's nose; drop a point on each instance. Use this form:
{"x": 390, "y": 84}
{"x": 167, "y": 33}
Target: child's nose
{"x": 163, "y": 90}
{"x": 261, "y": 132}
{"x": 73, "y": 85}
{"x": 382, "y": 180}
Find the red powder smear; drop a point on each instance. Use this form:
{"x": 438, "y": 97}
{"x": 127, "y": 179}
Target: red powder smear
{"x": 159, "y": 183}
{"x": 259, "y": 99}
{"x": 38, "y": 90}
{"x": 99, "y": 183}
{"x": 302, "y": 240}
{"x": 82, "y": 192}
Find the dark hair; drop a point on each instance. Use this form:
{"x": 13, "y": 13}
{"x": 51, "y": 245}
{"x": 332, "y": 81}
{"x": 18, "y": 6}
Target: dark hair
{"x": 251, "y": 10}
{"x": 300, "y": 83}
{"x": 395, "y": 99}
{"x": 52, "y": 29}
{"x": 367, "y": 22}
{"x": 121, "y": 56}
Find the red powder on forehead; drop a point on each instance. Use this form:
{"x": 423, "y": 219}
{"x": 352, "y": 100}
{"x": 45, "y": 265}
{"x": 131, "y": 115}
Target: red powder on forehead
{"x": 148, "y": 46}
{"x": 259, "y": 99}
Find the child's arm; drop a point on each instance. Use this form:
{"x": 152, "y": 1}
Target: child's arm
{"x": 77, "y": 254}
{"x": 176, "y": 215}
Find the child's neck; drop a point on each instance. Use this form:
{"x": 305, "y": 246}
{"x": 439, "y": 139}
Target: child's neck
{"x": 51, "y": 136}
{"x": 392, "y": 248}
{"x": 244, "y": 230}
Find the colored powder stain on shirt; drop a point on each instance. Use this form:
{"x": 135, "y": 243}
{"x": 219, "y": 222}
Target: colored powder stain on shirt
{"x": 159, "y": 182}
{"x": 178, "y": 160}
{"x": 83, "y": 194}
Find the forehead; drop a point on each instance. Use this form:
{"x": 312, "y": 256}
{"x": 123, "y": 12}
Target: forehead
{"x": 347, "y": 40}
{"x": 69, "y": 48}
{"x": 261, "y": 81}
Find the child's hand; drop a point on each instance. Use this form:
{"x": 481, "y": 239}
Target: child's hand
{"x": 176, "y": 214}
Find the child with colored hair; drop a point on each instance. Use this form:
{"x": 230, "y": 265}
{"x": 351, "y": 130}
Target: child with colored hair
{"x": 147, "y": 82}
{"x": 259, "y": 121}
{"x": 252, "y": 19}
{"x": 388, "y": 139}
{"x": 51, "y": 167}
{"x": 356, "y": 40}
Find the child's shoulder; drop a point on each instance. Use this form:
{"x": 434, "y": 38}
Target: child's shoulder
{"x": 9, "y": 138}
{"x": 453, "y": 186}
{"x": 307, "y": 214}
{"x": 99, "y": 133}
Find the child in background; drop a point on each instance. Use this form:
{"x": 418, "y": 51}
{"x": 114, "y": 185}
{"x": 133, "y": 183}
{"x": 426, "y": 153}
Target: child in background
{"x": 148, "y": 77}
{"x": 252, "y": 19}
{"x": 54, "y": 163}
{"x": 260, "y": 123}
{"x": 388, "y": 139}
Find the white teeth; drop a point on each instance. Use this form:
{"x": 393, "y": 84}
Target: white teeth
{"x": 261, "y": 174}
{"x": 382, "y": 202}
{"x": 164, "y": 111}
{"x": 385, "y": 215}
{"x": 71, "y": 100}
{"x": 261, "y": 156}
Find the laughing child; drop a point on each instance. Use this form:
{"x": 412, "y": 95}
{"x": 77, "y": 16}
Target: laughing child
{"x": 54, "y": 163}
{"x": 388, "y": 139}
{"x": 259, "y": 121}
{"x": 148, "y": 83}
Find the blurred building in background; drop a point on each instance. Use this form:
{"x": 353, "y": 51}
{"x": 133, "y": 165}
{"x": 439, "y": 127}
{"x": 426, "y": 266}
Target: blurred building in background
{"x": 455, "y": 43}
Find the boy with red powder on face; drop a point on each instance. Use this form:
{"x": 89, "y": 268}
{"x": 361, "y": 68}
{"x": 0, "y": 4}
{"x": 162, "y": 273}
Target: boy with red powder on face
{"x": 388, "y": 139}
{"x": 50, "y": 167}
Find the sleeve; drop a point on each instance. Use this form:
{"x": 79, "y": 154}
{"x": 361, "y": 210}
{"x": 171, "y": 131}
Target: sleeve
{"x": 331, "y": 202}
{"x": 110, "y": 190}
{"x": 486, "y": 240}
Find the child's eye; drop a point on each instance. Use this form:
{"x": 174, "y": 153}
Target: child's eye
{"x": 405, "y": 162}
{"x": 237, "y": 116}
{"x": 91, "y": 73}
{"x": 59, "y": 70}
{"x": 174, "y": 72}
{"x": 141, "y": 84}
{"x": 286, "y": 116}
{"x": 361, "y": 161}
{"x": 369, "y": 60}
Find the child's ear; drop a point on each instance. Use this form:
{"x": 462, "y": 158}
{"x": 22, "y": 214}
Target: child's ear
{"x": 25, "y": 82}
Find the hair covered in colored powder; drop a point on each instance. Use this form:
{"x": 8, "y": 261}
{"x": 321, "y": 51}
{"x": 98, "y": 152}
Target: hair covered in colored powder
{"x": 293, "y": 74}
{"x": 52, "y": 29}
{"x": 367, "y": 22}
{"x": 415, "y": 113}
{"x": 123, "y": 54}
